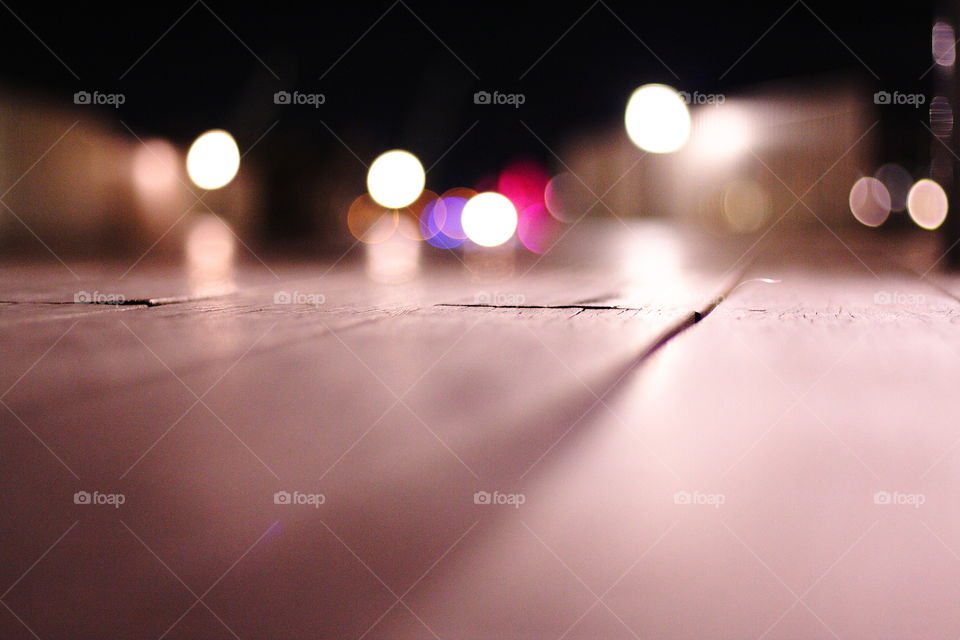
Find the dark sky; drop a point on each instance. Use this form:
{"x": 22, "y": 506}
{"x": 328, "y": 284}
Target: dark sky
{"x": 212, "y": 64}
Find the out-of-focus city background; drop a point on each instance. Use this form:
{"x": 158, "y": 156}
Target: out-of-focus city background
{"x": 777, "y": 112}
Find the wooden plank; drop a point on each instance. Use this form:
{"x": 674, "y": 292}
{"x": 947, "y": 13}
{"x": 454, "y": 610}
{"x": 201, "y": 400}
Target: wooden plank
{"x": 784, "y": 469}
{"x": 396, "y": 409}
{"x": 399, "y": 404}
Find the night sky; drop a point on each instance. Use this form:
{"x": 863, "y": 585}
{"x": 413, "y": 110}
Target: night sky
{"x": 409, "y": 81}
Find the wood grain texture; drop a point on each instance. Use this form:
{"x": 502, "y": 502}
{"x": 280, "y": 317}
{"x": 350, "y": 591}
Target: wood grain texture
{"x": 784, "y": 411}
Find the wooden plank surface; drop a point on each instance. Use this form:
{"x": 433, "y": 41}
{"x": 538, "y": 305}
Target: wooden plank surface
{"x": 785, "y": 410}
{"x": 730, "y": 489}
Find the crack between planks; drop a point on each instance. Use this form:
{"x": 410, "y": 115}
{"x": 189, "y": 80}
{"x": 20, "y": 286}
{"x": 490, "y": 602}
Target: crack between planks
{"x": 672, "y": 331}
{"x": 582, "y": 307}
{"x": 125, "y": 302}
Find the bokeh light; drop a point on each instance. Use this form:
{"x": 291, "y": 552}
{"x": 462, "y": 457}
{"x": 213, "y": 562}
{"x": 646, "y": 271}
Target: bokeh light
{"x": 455, "y": 200}
{"x": 523, "y": 182}
{"x": 944, "y": 44}
{"x": 746, "y": 206}
{"x": 432, "y": 219}
{"x": 441, "y": 222}
{"x": 395, "y": 179}
{"x": 657, "y": 119}
{"x": 941, "y": 117}
{"x": 213, "y": 160}
{"x": 489, "y": 219}
{"x": 927, "y": 204}
{"x": 155, "y": 164}
{"x": 537, "y": 229}
{"x": 898, "y": 181}
{"x": 413, "y": 212}
{"x": 869, "y": 201}
{"x": 567, "y": 198}
{"x": 369, "y": 222}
